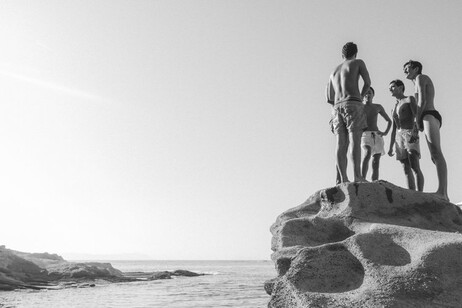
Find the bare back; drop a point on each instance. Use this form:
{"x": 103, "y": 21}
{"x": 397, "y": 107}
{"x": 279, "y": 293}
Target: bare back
{"x": 344, "y": 81}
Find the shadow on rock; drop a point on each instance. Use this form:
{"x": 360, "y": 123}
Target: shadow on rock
{"x": 326, "y": 269}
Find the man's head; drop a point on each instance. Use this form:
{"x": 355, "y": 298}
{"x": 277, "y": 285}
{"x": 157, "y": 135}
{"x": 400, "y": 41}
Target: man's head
{"x": 412, "y": 69}
{"x": 349, "y": 50}
{"x": 396, "y": 87}
{"x": 369, "y": 95}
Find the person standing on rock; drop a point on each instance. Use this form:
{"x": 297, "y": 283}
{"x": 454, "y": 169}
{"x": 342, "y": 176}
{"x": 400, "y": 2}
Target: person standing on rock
{"x": 429, "y": 121}
{"x": 372, "y": 138}
{"x": 348, "y": 116}
{"x": 405, "y": 135}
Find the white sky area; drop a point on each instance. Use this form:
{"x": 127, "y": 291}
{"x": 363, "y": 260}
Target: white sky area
{"x": 182, "y": 129}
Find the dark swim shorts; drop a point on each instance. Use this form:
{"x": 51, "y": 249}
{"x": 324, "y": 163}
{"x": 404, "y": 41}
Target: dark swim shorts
{"x": 433, "y": 113}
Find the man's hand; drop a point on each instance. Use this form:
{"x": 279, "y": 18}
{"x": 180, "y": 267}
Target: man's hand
{"x": 390, "y": 153}
{"x": 415, "y": 134}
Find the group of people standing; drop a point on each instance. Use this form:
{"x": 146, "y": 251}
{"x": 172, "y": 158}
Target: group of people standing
{"x": 354, "y": 122}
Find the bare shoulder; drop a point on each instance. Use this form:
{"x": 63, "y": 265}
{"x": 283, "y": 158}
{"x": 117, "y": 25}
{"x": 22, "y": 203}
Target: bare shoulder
{"x": 422, "y": 79}
{"x": 378, "y": 107}
{"x": 410, "y": 99}
{"x": 359, "y": 62}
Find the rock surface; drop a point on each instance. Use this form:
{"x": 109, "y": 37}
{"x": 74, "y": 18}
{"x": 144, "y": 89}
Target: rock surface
{"x": 368, "y": 245}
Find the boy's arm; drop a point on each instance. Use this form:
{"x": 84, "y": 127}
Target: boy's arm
{"x": 387, "y": 118}
{"x": 330, "y": 93}
{"x": 392, "y": 138}
{"x": 363, "y": 72}
{"x": 420, "y": 84}
{"x": 414, "y": 110}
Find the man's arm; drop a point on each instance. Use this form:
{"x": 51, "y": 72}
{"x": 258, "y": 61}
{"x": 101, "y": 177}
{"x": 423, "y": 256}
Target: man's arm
{"x": 363, "y": 72}
{"x": 414, "y": 110}
{"x": 420, "y": 85}
{"x": 330, "y": 93}
{"x": 387, "y": 118}
{"x": 392, "y": 138}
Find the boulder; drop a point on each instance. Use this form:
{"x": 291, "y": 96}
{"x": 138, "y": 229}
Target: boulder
{"x": 368, "y": 245}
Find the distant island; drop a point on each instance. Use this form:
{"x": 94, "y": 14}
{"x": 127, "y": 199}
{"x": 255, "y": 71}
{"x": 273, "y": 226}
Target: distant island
{"x": 21, "y": 270}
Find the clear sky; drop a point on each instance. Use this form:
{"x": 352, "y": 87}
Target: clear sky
{"x": 181, "y": 129}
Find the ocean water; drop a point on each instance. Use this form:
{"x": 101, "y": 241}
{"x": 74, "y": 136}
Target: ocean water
{"x": 236, "y": 284}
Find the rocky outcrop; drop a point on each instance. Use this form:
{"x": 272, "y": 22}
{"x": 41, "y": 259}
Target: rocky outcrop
{"x": 368, "y": 245}
{"x": 50, "y": 271}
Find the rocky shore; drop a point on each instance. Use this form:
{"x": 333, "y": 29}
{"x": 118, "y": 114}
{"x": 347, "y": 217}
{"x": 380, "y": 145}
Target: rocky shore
{"x": 21, "y": 270}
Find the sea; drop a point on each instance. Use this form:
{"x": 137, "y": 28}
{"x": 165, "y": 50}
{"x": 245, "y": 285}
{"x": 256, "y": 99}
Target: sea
{"x": 237, "y": 284}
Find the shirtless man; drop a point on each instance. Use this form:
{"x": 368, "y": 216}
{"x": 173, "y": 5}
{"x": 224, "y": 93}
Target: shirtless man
{"x": 348, "y": 116}
{"x": 429, "y": 121}
{"x": 405, "y": 135}
{"x": 372, "y": 140}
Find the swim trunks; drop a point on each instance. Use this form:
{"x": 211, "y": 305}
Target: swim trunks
{"x": 348, "y": 116}
{"x": 374, "y": 141}
{"x": 404, "y": 143}
{"x": 433, "y": 113}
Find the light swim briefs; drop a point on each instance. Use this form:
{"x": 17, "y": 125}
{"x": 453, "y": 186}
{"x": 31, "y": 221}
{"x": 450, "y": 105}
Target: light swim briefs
{"x": 348, "y": 116}
{"x": 374, "y": 141}
{"x": 406, "y": 140}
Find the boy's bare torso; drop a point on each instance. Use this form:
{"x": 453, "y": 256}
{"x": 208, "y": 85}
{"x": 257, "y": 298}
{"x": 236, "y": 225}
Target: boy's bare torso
{"x": 403, "y": 113}
{"x": 426, "y": 87}
{"x": 372, "y": 112}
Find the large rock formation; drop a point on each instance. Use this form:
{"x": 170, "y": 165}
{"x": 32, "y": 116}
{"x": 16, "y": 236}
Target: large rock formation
{"x": 368, "y": 245}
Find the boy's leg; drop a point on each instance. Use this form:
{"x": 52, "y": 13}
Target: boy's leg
{"x": 408, "y": 173}
{"x": 432, "y": 134}
{"x": 355, "y": 143}
{"x": 365, "y": 164}
{"x": 375, "y": 166}
{"x": 415, "y": 166}
{"x": 342, "y": 149}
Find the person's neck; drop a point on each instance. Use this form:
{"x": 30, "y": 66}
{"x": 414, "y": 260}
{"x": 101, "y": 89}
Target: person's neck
{"x": 415, "y": 77}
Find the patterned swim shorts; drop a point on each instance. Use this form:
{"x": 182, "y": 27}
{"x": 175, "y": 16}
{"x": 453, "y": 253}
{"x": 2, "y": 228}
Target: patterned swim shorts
{"x": 348, "y": 116}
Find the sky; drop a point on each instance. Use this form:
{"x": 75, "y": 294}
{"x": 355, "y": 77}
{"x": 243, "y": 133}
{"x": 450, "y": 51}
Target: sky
{"x": 181, "y": 129}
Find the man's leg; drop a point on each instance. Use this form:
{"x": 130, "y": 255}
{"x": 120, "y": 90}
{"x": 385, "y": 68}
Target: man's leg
{"x": 365, "y": 164}
{"x": 338, "y": 178}
{"x": 432, "y": 134}
{"x": 375, "y": 166}
{"x": 415, "y": 166}
{"x": 342, "y": 149}
{"x": 408, "y": 173}
{"x": 355, "y": 143}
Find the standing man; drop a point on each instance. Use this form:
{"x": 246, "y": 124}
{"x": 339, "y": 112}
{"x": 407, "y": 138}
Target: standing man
{"x": 405, "y": 135}
{"x": 429, "y": 121}
{"x": 348, "y": 116}
{"x": 372, "y": 140}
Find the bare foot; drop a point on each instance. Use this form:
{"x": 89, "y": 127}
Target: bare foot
{"x": 361, "y": 180}
{"x": 441, "y": 196}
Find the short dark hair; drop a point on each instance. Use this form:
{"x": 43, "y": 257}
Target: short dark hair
{"x": 414, "y": 64}
{"x": 349, "y": 50}
{"x": 372, "y": 89}
{"x": 398, "y": 83}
